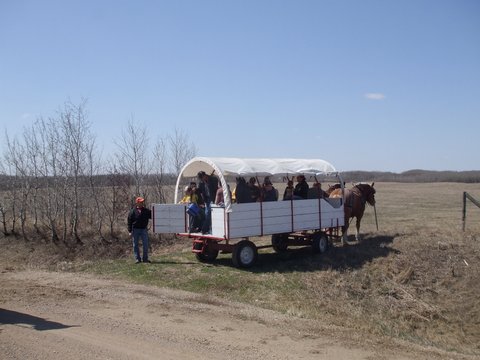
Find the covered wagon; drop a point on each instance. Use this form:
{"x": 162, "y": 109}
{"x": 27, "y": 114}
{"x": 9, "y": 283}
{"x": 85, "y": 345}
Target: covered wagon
{"x": 312, "y": 221}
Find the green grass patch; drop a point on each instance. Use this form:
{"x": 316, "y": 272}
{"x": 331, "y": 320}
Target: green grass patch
{"x": 278, "y": 282}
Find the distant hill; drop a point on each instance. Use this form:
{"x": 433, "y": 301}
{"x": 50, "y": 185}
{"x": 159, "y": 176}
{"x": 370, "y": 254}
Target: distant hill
{"x": 415, "y": 175}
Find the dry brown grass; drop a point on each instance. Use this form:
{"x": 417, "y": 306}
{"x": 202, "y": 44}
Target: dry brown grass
{"x": 418, "y": 277}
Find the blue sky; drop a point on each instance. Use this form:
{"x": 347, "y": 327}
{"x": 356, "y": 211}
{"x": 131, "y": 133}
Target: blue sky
{"x": 367, "y": 84}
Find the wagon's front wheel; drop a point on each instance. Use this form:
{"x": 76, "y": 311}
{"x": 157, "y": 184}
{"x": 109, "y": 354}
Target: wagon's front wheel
{"x": 207, "y": 255}
{"x": 244, "y": 254}
{"x": 320, "y": 242}
{"x": 279, "y": 242}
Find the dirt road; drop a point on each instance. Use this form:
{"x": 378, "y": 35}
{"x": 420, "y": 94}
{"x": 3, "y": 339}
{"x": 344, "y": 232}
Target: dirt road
{"x": 50, "y": 315}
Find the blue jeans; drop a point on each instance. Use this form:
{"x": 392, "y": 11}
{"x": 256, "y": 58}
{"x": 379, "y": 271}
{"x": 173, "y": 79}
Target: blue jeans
{"x": 137, "y": 234}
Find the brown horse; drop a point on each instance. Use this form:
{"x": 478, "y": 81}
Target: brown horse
{"x": 354, "y": 205}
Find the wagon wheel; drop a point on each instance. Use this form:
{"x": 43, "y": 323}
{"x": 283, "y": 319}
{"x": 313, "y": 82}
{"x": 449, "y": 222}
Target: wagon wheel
{"x": 244, "y": 254}
{"x": 207, "y": 255}
{"x": 279, "y": 242}
{"x": 319, "y": 243}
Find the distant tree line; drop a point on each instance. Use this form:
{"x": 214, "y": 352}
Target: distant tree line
{"x": 414, "y": 176}
{"x": 55, "y": 185}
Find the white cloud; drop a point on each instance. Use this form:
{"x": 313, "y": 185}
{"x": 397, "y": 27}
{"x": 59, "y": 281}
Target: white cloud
{"x": 375, "y": 96}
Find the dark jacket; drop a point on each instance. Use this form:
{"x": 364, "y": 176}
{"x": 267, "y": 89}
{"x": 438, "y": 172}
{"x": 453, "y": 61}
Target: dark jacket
{"x": 254, "y": 192}
{"x": 301, "y": 189}
{"x": 212, "y": 186}
{"x": 242, "y": 192}
{"x": 270, "y": 193}
{"x": 138, "y": 219}
{"x": 204, "y": 191}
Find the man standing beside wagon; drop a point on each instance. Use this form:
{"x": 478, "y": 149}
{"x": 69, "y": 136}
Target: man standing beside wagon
{"x": 137, "y": 228}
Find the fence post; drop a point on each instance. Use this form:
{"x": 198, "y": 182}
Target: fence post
{"x": 473, "y": 200}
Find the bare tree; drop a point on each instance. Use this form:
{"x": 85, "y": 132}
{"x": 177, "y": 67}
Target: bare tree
{"x": 132, "y": 156}
{"x": 50, "y": 170}
{"x": 97, "y": 194}
{"x": 160, "y": 160}
{"x": 16, "y": 156}
{"x": 182, "y": 149}
{"x": 3, "y": 202}
{"x": 32, "y": 152}
{"x": 12, "y": 159}
{"x": 77, "y": 143}
{"x": 119, "y": 192}
{"x": 3, "y": 215}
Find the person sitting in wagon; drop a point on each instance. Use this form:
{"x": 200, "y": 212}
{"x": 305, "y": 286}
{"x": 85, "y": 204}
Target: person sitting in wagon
{"x": 316, "y": 191}
{"x": 219, "y": 197}
{"x": 288, "y": 193}
{"x": 301, "y": 189}
{"x": 269, "y": 193}
{"x": 254, "y": 190}
{"x": 195, "y": 190}
{"x": 241, "y": 193}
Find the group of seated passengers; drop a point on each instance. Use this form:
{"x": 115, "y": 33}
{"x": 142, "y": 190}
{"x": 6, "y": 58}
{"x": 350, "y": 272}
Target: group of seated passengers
{"x": 300, "y": 191}
{"x": 303, "y": 191}
{"x": 251, "y": 192}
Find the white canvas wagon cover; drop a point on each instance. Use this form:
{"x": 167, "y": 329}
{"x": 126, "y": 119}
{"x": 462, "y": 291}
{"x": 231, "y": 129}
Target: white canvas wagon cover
{"x": 222, "y": 167}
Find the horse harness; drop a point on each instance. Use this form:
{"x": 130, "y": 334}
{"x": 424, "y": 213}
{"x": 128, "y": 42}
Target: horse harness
{"x": 356, "y": 191}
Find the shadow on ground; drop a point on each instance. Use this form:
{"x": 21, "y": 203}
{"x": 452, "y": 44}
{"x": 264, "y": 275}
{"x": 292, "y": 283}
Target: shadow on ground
{"x": 337, "y": 257}
{"x": 37, "y": 323}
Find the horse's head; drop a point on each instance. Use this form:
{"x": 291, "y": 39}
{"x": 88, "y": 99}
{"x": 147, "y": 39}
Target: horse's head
{"x": 368, "y": 192}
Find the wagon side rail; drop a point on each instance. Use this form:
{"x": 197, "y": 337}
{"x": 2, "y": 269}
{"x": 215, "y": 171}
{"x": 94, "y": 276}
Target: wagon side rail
{"x": 255, "y": 219}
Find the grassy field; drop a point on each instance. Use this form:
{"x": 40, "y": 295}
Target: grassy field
{"x": 416, "y": 278}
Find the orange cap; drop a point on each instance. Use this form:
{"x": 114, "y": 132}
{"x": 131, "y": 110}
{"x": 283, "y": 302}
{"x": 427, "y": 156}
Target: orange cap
{"x": 139, "y": 199}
